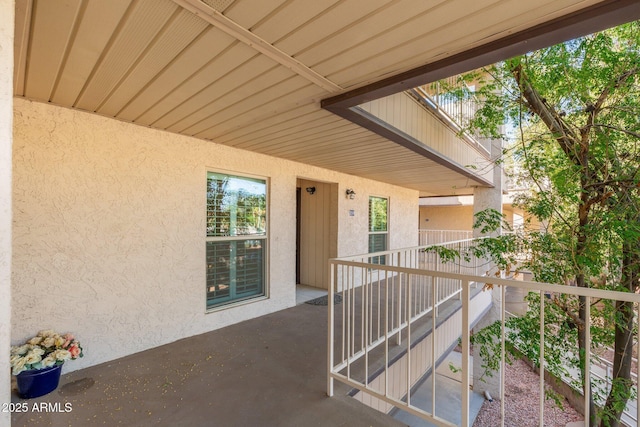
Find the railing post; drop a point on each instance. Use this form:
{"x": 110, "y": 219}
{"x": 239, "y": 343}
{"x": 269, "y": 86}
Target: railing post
{"x": 542, "y": 394}
{"x": 638, "y": 365}
{"x": 399, "y": 310}
{"x": 587, "y": 360}
{"x": 459, "y": 263}
{"x": 437, "y": 280}
{"x": 330, "y": 321}
{"x": 433, "y": 346}
{"x": 503, "y": 341}
{"x": 408, "y": 315}
{"x": 464, "y": 392}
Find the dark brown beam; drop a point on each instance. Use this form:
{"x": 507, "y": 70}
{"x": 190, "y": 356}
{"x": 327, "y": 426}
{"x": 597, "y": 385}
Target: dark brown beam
{"x": 598, "y": 17}
{"x": 382, "y": 128}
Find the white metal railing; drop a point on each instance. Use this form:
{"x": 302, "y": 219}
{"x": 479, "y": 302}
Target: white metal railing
{"x": 386, "y": 304}
{"x": 456, "y": 111}
{"x": 435, "y": 237}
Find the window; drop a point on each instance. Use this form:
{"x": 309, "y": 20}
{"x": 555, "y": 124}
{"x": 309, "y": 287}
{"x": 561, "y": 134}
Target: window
{"x": 236, "y": 242}
{"x": 378, "y": 227}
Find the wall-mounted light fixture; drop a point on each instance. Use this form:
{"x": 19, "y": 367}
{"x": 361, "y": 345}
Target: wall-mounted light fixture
{"x": 351, "y": 194}
{"x": 311, "y": 190}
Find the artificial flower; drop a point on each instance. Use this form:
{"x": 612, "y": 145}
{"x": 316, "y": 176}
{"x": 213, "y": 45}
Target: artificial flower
{"x": 47, "y": 348}
{"x": 32, "y": 358}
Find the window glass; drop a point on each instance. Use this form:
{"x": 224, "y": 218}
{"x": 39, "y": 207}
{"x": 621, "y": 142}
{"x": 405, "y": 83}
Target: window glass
{"x": 378, "y": 214}
{"x": 378, "y": 223}
{"x": 236, "y": 238}
{"x": 236, "y": 206}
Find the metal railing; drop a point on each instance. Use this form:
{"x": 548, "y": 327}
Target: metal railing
{"x": 374, "y": 337}
{"x": 435, "y": 237}
{"x": 456, "y": 110}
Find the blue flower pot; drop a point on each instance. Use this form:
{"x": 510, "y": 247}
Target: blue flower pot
{"x": 38, "y": 382}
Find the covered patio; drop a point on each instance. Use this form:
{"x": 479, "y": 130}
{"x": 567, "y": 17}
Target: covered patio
{"x": 269, "y": 371}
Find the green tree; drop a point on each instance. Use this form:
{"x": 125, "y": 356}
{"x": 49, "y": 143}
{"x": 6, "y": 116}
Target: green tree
{"x": 576, "y": 111}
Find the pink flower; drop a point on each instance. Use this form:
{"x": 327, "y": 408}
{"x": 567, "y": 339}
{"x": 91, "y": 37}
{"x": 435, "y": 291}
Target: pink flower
{"x": 68, "y": 338}
{"x": 75, "y": 351}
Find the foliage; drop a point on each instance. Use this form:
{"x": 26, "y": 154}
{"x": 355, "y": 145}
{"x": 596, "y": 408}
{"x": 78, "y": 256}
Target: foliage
{"x": 574, "y": 110}
{"x": 46, "y": 349}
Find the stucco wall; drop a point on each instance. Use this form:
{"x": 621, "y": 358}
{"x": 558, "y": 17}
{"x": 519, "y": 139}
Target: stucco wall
{"x": 6, "y": 102}
{"x": 108, "y": 234}
{"x": 446, "y": 217}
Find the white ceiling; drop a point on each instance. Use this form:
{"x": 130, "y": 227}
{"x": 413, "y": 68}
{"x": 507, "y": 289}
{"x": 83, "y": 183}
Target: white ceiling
{"x": 251, "y": 74}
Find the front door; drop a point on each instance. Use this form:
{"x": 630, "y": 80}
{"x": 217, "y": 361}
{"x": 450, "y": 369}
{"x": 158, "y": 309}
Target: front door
{"x": 316, "y": 239}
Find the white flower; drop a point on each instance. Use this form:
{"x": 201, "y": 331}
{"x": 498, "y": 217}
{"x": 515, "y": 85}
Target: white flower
{"x": 61, "y": 354}
{"x": 49, "y": 342}
{"x": 50, "y": 360}
{"x": 20, "y": 350}
{"x": 37, "y": 350}
{"x": 32, "y": 358}
{"x": 35, "y": 341}
{"x": 47, "y": 333}
{"x": 18, "y": 366}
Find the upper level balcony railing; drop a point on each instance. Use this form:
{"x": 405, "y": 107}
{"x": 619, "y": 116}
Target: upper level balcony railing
{"x": 454, "y": 110}
{"x": 388, "y": 305}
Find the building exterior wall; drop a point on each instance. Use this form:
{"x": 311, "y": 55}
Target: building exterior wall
{"x": 461, "y": 218}
{"x": 7, "y": 9}
{"x": 109, "y": 229}
{"x": 446, "y": 217}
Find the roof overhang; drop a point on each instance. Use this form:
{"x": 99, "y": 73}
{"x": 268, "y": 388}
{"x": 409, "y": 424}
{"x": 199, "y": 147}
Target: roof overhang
{"x": 284, "y": 78}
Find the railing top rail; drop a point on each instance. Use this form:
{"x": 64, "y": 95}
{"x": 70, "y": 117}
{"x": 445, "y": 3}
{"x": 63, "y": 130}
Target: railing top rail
{"x": 538, "y": 286}
{"x": 395, "y": 251}
{"x": 444, "y": 231}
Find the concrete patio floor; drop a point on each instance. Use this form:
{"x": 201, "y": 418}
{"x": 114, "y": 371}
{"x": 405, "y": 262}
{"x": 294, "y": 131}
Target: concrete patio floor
{"x": 270, "y": 371}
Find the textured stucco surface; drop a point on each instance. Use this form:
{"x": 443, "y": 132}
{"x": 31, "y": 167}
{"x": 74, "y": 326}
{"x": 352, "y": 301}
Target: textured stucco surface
{"x": 108, "y": 231}
{"x": 446, "y": 217}
{"x": 6, "y": 119}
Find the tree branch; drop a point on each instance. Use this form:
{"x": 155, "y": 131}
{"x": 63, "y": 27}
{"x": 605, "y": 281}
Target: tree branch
{"x": 595, "y": 109}
{"x": 628, "y": 132}
{"x": 565, "y": 136}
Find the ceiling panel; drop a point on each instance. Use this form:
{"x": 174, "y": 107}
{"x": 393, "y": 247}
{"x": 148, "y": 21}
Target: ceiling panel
{"x": 235, "y": 56}
{"x": 52, "y": 27}
{"x": 306, "y": 95}
{"x": 275, "y": 137}
{"x": 249, "y": 14}
{"x": 277, "y": 124}
{"x": 292, "y": 15}
{"x": 335, "y": 21}
{"x": 94, "y": 32}
{"x": 211, "y": 90}
{"x": 268, "y": 85}
{"x": 177, "y": 35}
{"x": 142, "y": 25}
{"x": 253, "y": 74}
{"x": 191, "y": 63}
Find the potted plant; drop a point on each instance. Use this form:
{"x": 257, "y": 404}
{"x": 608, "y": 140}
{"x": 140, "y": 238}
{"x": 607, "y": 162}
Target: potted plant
{"x": 38, "y": 362}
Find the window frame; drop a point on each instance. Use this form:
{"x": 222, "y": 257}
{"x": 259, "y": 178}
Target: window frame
{"x": 234, "y": 239}
{"x": 378, "y": 259}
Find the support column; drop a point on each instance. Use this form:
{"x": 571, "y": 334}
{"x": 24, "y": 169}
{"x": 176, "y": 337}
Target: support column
{"x": 7, "y": 8}
{"x": 489, "y": 198}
